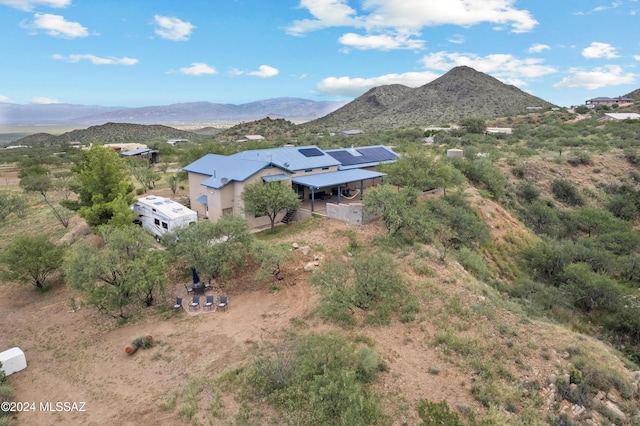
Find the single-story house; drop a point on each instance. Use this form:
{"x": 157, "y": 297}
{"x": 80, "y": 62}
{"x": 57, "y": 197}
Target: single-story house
{"x": 592, "y": 103}
{"x": 253, "y": 138}
{"x": 351, "y": 132}
{"x": 151, "y": 155}
{"x": 216, "y": 182}
{"x": 620, "y": 116}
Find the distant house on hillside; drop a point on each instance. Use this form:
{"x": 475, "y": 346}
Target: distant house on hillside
{"x": 618, "y": 116}
{"x": 503, "y": 130}
{"x": 254, "y": 138}
{"x": 592, "y": 103}
{"x": 351, "y": 132}
{"x": 216, "y": 182}
{"x": 174, "y": 142}
{"x": 151, "y": 155}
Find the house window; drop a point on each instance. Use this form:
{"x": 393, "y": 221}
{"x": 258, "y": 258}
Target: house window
{"x": 325, "y": 168}
{"x": 308, "y": 170}
{"x": 165, "y": 225}
{"x": 227, "y": 212}
{"x": 156, "y": 221}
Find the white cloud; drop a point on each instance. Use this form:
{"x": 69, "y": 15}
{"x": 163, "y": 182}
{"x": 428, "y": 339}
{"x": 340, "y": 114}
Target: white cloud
{"x": 28, "y": 5}
{"x": 171, "y": 28}
{"x": 352, "y": 87}
{"x": 97, "y": 60}
{"x": 456, "y": 39}
{"x": 506, "y": 67}
{"x": 44, "y": 100}
{"x": 327, "y": 13}
{"x": 4, "y": 98}
{"x": 409, "y": 16}
{"x": 264, "y": 71}
{"x": 610, "y": 75}
{"x": 537, "y": 48}
{"x": 56, "y": 26}
{"x": 636, "y": 57}
{"x": 381, "y": 42}
{"x": 599, "y": 50}
{"x": 198, "y": 68}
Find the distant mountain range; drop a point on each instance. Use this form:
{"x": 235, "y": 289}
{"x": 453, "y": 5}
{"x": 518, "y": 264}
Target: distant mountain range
{"x": 460, "y": 93}
{"x": 293, "y": 109}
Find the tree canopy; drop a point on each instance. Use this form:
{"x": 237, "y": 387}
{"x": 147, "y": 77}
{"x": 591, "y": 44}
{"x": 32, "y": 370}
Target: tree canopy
{"x": 33, "y": 257}
{"x": 126, "y": 270}
{"x": 269, "y": 199}
{"x": 214, "y": 249}
{"x": 104, "y": 186}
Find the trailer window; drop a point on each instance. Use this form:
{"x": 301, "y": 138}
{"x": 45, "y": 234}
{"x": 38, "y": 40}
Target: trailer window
{"x": 164, "y": 225}
{"x": 156, "y": 221}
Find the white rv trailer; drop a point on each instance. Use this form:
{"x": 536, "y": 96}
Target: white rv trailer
{"x": 161, "y": 215}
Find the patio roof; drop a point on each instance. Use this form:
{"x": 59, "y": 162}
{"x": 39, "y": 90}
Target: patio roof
{"x": 330, "y": 179}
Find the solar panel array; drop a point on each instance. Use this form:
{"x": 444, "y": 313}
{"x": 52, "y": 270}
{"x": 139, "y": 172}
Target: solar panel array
{"x": 311, "y": 152}
{"x": 369, "y": 155}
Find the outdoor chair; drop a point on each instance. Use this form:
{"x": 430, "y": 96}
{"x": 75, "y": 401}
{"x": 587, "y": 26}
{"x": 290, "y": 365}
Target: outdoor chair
{"x": 208, "y": 303}
{"x": 223, "y": 303}
{"x": 178, "y": 304}
{"x": 195, "y": 304}
{"x": 189, "y": 289}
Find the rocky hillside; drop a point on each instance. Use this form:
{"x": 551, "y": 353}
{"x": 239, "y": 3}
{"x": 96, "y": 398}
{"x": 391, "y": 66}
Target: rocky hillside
{"x": 111, "y": 133}
{"x": 635, "y": 95}
{"x": 461, "y": 93}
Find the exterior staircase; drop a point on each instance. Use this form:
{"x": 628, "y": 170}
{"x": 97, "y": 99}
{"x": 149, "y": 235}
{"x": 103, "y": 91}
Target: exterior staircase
{"x": 287, "y": 217}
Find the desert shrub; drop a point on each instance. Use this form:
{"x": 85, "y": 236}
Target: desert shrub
{"x": 481, "y": 170}
{"x": 580, "y": 159}
{"x": 327, "y": 382}
{"x": 473, "y": 262}
{"x": 527, "y": 192}
{"x": 623, "y": 207}
{"x": 437, "y": 413}
{"x": 542, "y": 218}
{"x": 371, "y": 284}
{"x": 566, "y": 192}
{"x": 6, "y": 395}
{"x": 589, "y": 290}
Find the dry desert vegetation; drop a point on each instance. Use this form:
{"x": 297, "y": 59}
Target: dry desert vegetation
{"x": 467, "y": 345}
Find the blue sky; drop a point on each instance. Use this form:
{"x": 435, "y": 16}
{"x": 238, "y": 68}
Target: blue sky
{"x": 156, "y": 52}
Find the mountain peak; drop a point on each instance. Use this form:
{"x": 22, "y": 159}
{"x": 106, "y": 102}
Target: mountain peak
{"x": 460, "y": 93}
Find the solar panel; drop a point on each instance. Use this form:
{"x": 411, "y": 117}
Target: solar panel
{"x": 311, "y": 152}
{"x": 377, "y": 153}
{"x": 345, "y": 158}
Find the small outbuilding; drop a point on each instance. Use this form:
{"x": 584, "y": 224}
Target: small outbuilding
{"x": 454, "y": 153}
{"x": 13, "y": 360}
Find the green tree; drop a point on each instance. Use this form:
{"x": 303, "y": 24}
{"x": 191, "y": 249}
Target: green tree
{"x": 11, "y": 203}
{"x": 37, "y": 179}
{"x": 269, "y": 199}
{"x": 473, "y": 125}
{"x": 395, "y": 206}
{"x": 270, "y": 258}
{"x": 127, "y": 269}
{"x": 101, "y": 177}
{"x": 33, "y": 257}
{"x": 214, "y": 249}
{"x": 143, "y": 172}
{"x": 422, "y": 171}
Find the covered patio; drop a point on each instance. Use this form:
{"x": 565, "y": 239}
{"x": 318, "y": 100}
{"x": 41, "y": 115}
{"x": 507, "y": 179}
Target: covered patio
{"x": 323, "y": 186}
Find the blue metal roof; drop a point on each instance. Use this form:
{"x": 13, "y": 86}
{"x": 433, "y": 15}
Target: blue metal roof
{"x": 273, "y": 178}
{"x": 323, "y": 180}
{"x": 290, "y": 158}
{"x": 350, "y": 158}
{"x": 223, "y": 169}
